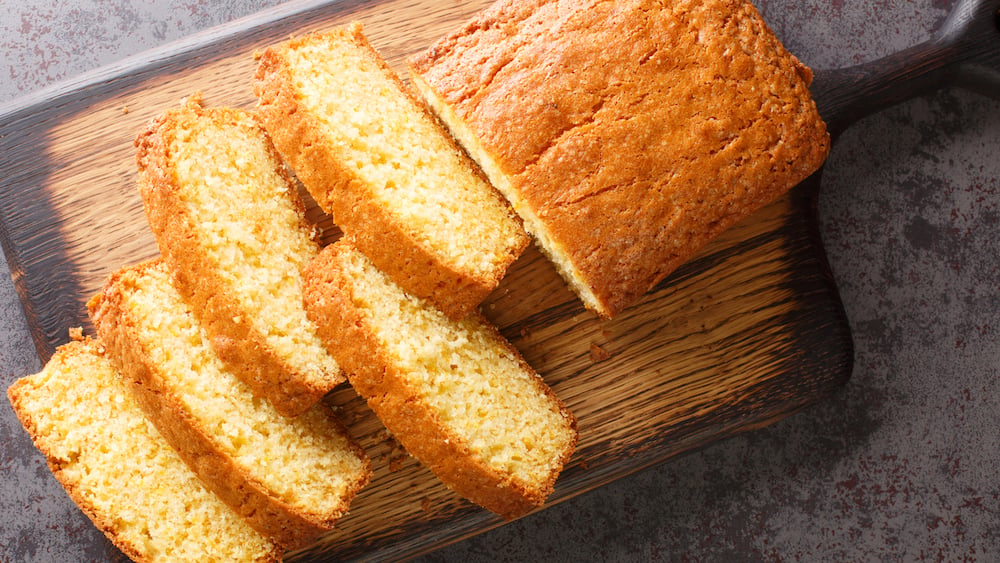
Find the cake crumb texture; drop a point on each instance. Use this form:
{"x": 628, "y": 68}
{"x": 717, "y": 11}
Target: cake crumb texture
{"x": 292, "y": 478}
{"x": 454, "y": 393}
{"x": 229, "y": 221}
{"x": 626, "y": 134}
{"x": 120, "y": 471}
{"x": 375, "y": 159}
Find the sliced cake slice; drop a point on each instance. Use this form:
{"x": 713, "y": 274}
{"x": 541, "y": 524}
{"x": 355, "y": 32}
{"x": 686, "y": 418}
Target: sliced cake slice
{"x": 120, "y": 471}
{"x": 230, "y": 223}
{"x": 454, "y": 393}
{"x": 292, "y": 478}
{"x": 377, "y": 161}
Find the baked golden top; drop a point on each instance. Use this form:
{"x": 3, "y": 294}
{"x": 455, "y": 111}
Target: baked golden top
{"x": 626, "y": 133}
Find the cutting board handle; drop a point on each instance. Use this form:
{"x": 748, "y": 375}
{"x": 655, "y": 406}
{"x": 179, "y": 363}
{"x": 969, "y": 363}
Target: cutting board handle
{"x": 963, "y": 52}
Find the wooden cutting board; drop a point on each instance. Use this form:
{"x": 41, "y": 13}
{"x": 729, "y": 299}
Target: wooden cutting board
{"x": 748, "y": 332}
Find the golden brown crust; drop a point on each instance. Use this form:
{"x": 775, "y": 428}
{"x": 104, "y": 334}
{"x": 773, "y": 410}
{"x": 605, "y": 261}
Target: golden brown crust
{"x": 412, "y": 422}
{"x": 339, "y": 192}
{"x": 233, "y": 335}
{"x": 17, "y": 391}
{"x": 640, "y": 132}
{"x": 218, "y": 471}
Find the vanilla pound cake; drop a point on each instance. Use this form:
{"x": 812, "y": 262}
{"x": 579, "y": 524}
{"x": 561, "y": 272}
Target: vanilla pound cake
{"x": 230, "y": 223}
{"x": 626, "y": 134}
{"x": 377, "y": 162}
{"x": 291, "y": 478}
{"x": 120, "y": 471}
{"x": 454, "y": 393}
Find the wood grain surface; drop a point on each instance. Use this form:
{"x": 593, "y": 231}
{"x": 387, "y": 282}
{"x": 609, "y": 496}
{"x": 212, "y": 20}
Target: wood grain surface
{"x": 748, "y": 332}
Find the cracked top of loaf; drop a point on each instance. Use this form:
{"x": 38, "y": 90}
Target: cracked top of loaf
{"x": 627, "y": 134}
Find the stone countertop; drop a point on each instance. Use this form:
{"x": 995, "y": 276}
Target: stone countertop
{"x": 900, "y": 464}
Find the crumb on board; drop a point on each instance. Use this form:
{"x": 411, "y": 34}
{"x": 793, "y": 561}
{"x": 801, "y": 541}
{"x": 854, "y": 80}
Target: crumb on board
{"x": 598, "y": 354}
{"x": 396, "y": 462}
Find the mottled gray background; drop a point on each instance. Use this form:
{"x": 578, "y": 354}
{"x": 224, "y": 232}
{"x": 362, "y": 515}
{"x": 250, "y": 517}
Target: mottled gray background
{"x": 900, "y": 465}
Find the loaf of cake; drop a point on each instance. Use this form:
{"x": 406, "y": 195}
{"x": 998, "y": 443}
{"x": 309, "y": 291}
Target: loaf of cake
{"x": 120, "y": 471}
{"x": 625, "y": 134}
{"x": 291, "y": 478}
{"x": 376, "y": 160}
{"x": 454, "y": 393}
{"x": 230, "y": 223}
